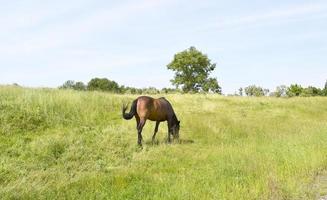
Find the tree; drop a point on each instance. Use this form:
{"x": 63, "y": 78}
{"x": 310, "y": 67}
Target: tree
{"x": 294, "y": 90}
{"x": 325, "y": 89}
{"x": 211, "y": 85}
{"x": 240, "y": 91}
{"x": 170, "y": 90}
{"x": 68, "y": 85}
{"x": 150, "y": 90}
{"x": 280, "y": 91}
{"x": 192, "y": 69}
{"x": 79, "y": 86}
{"x": 254, "y": 90}
{"x": 311, "y": 91}
{"x": 103, "y": 84}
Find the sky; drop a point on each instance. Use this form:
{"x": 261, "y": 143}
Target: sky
{"x": 262, "y": 42}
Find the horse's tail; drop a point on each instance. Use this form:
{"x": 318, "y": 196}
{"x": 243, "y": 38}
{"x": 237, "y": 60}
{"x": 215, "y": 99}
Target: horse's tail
{"x": 131, "y": 113}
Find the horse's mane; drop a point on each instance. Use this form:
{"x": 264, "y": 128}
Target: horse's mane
{"x": 175, "y": 120}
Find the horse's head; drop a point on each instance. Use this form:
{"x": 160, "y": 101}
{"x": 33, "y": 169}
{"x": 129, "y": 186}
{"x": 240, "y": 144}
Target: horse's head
{"x": 176, "y": 130}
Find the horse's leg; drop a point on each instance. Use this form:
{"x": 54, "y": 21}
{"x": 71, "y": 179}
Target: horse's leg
{"x": 139, "y": 130}
{"x": 137, "y": 122}
{"x": 155, "y": 131}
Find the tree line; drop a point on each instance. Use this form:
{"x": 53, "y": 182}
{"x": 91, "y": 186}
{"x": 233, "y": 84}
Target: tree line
{"x": 192, "y": 75}
{"x": 106, "y": 85}
{"x": 294, "y": 90}
{"x": 192, "y": 71}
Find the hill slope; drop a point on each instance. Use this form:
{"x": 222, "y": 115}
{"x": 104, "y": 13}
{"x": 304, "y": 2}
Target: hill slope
{"x": 75, "y": 145}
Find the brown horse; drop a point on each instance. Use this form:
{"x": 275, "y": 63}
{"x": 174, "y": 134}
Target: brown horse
{"x": 158, "y": 110}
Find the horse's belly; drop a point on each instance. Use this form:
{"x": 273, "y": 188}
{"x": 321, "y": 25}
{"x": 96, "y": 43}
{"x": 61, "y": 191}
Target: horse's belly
{"x": 156, "y": 118}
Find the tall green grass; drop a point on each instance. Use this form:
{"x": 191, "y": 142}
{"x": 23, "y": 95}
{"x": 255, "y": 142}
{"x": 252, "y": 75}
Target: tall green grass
{"x": 57, "y": 144}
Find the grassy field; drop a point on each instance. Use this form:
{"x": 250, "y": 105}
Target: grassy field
{"x": 58, "y": 144}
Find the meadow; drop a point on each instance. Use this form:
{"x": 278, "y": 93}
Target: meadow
{"x": 62, "y": 144}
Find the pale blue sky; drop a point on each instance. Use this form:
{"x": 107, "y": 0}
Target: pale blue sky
{"x": 263, "y": 42}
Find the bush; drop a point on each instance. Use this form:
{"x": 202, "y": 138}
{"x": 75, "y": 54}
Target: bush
{"x": 103, "y": 84}
{"x": 254, "y": 90}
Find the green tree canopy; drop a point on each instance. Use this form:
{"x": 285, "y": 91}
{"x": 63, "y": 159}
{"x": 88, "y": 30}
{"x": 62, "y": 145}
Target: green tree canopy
{"x": 103, "y": 84}
{"x": 79, "y": 86}
{"x": 254, "y": 90}
{"x": 294, "y": 90}
{"x": 68, "y": 85}
{"x": 311, "y": 91}
{"x": 192, "y": 69}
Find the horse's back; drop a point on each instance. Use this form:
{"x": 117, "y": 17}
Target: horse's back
{"x": 144, "y": 104}
{"x": 153, "y": 109}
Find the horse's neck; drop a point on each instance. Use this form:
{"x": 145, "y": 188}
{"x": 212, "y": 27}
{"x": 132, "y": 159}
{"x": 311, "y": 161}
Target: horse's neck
{"x": 175, "y": 118}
